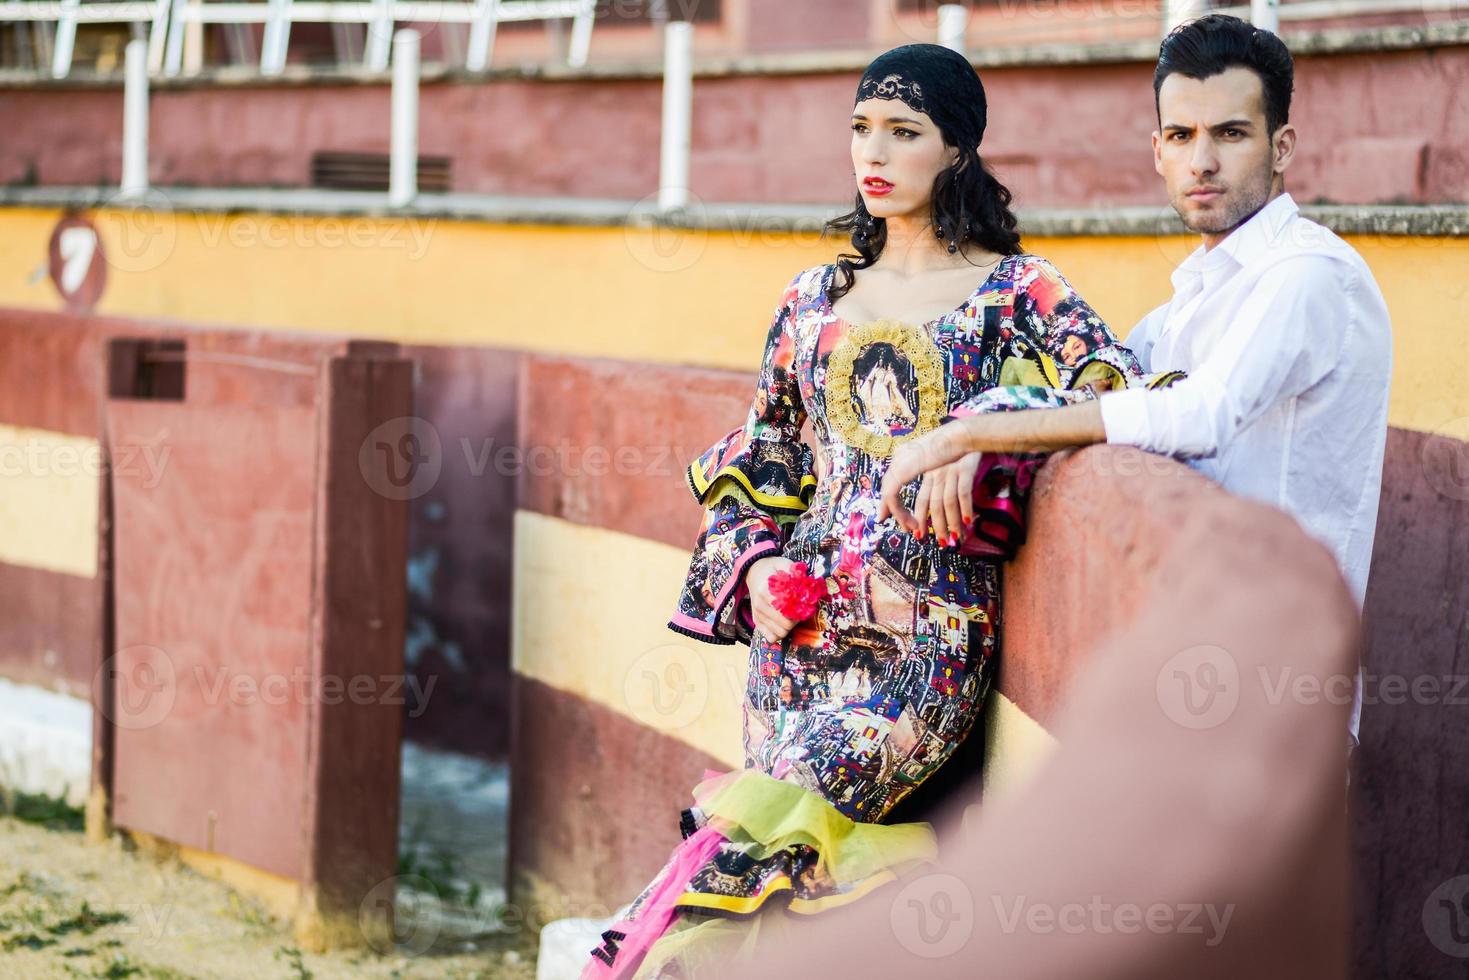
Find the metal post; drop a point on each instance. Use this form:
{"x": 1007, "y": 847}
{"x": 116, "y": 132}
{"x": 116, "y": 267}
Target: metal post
{"x": 66, "y": 34}
{"x": 403, "y": 166}
{"x": 678, "y": 97}
{"x": 953, "y": 22}
{"x": 135, "y": 120}
{"x": 482, "y": 34}
{"x": 276, "y": 37}
{"x": 581, "y": 34}
{"x": 194, "y": 40}
{"x": 380, "y": 35}
{"x": 1176, "y": 12}
{"x": 1265, "y": 14}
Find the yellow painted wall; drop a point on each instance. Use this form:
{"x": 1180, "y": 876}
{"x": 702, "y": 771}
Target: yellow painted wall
{"x": 611, "y": 648}
{"x": 49, "y": 487}
{"x": 686, "y": 297}
{"x": 603, "y": 637}
{"x": 1015, "y": 746}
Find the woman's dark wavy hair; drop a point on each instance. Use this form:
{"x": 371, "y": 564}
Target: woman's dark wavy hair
{"x": 969, "y": 204}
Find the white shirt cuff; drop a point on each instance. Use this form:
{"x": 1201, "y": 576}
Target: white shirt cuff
{"x": 1125, "y": 417}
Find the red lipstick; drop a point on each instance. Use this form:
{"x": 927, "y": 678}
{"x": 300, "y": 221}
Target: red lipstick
{"x": 876, "y": 186}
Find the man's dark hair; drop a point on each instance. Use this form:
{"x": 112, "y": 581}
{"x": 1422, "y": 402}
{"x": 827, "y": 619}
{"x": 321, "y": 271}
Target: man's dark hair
{"x": 1206, "y": 47}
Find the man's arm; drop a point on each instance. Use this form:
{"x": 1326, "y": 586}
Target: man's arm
{"x": 1036, "y": 431}
{"x": 1285, "y": 338}
{"x": 1288, "y": 335}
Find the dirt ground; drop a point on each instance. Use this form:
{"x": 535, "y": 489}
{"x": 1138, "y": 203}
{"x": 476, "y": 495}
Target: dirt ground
{"x": 69, "y": 909}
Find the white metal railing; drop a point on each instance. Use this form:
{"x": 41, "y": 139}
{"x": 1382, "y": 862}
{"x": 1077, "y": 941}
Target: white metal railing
{"x": 67, "y": 14}
{"x": 1021, "y": 22}
{"x": 678, "y": 101}
{"x": 403, "y": 124}
{"x": 379, "y": 18}
{"x": 1270, "y": 14}
{"x": 135, "y": 121}
{"x": 176, "y": 39}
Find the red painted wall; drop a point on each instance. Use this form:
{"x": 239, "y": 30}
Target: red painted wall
{"x": 1374, "y": 127}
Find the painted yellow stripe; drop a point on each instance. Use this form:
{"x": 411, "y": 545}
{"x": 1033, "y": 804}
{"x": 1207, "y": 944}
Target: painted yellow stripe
{"x": 49, "y": 486}
{"x": 660, "y": 295}
{"x": 280, "y": 896}
{"x": 590, "y": 607}
{"x": 1015, "y": 746}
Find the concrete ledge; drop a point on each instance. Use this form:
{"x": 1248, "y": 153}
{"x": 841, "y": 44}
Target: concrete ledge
{"x": 1302, "y": 42}
{"x": 1437, "y": 220}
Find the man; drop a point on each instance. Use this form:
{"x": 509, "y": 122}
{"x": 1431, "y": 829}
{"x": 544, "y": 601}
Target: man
{"x": 1277, "y": 322}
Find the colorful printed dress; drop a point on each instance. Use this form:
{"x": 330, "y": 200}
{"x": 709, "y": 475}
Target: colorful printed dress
{"x": 863, "y": 701}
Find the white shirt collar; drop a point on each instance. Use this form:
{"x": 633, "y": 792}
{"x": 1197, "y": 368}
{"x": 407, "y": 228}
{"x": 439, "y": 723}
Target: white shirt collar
{"x": 1240, "y": 246}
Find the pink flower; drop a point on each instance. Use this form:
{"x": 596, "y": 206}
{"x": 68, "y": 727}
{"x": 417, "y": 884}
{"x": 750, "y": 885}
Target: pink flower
{"x": 795, "y": 593}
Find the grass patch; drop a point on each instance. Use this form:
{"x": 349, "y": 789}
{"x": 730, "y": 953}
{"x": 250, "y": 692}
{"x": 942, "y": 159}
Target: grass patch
{"x": 437, "y": 873}
{"x": 292, "y": 956}
{"x": 51, "y": 812}
{"x": 86, "y": 921}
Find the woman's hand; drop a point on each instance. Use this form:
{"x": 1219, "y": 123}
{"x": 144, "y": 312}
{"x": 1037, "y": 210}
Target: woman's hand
{"x": 946, "y": 501}
{"x": 771, "y": 624}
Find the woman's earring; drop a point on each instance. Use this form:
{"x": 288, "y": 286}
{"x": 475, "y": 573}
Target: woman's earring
{"x": 938, "y": 230}
{"x": 866, "y": 230}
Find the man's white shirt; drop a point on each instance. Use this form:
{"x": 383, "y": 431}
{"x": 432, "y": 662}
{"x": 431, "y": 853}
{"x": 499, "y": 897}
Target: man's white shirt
{"x": 1288, "y": 349}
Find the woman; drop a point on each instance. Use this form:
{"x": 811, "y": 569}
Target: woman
{"x": 852, "y": 708}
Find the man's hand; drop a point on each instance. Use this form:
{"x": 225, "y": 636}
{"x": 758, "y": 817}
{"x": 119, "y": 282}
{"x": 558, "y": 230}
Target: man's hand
{"x": 1039, "y": 430}
{"x": 771, "y": 624}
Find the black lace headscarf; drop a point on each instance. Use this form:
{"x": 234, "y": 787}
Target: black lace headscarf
{"x": 969, "y": 204}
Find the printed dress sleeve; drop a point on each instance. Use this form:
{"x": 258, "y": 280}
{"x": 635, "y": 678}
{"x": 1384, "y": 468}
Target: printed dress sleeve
{"x": 753, "y": 483}
{"x": 1060, "y": 353}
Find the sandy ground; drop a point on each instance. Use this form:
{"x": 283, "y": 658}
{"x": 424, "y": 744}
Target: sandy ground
{"x": 69, "y": 909}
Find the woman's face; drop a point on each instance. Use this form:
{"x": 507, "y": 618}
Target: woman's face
{"x": 896, "y": 153}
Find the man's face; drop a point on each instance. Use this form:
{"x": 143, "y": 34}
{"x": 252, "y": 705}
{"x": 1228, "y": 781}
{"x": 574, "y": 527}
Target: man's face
{"x": 1213, "y": 151}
